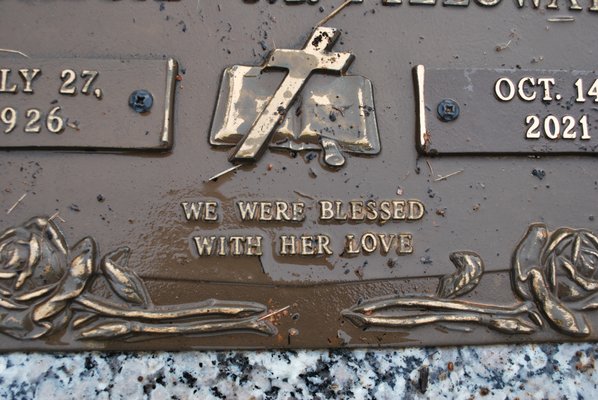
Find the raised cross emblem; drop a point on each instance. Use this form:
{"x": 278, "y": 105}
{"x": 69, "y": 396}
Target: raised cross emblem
{"x": 253, "y": 114}
{"x": 300, "y": 64}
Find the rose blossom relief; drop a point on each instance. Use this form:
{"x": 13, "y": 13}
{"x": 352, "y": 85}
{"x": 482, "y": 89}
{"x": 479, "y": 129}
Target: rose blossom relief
{"x": 554, "y": 276}
{"x": 47, "y": 285}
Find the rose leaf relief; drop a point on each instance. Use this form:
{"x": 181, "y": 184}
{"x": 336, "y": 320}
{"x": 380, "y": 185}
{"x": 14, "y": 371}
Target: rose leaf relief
{"x": 554, "y": 278}
{"x": 47, "y": 287}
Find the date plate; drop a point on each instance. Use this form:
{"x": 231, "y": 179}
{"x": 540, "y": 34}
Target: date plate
{"x": 86, "y": 104}
{"x": 505, "y": 111}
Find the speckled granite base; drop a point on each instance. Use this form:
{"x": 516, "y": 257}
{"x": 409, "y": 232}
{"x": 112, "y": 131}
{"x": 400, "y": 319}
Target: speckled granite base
{"x": 500, "y": 372}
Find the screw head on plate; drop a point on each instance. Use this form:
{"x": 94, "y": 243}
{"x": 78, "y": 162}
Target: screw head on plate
{"x": 448, "y": 110}
{"x": 141, "y": 101}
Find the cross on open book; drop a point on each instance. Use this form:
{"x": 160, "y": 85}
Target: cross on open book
{"x": 331, "y": 113}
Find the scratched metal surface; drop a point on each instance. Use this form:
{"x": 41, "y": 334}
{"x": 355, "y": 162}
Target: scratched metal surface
{"x": 485, "y": 208}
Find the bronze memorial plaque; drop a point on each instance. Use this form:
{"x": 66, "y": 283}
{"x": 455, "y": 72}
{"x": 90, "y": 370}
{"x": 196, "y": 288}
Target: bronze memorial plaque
{"x": 297, "y": 174}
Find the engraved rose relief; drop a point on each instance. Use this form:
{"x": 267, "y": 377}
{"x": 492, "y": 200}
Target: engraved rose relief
{"x": 554, "y": 275}
{"x": 39, "y": 276}
{"x": 45, "y": 286}
{"x": 558, "y": 272}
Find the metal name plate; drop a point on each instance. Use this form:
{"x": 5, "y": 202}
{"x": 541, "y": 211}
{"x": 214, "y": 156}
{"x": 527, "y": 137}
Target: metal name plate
{"x": 94, "y": 104}
{"x": 302, "y": 204}
{"x": 476, "y": 111}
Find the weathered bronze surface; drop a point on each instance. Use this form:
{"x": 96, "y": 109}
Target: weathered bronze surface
{"x": 391, "y": 174}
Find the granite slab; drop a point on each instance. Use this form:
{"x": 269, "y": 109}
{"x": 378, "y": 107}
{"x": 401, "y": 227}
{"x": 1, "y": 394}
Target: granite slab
{"x": 548, "y": 371}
